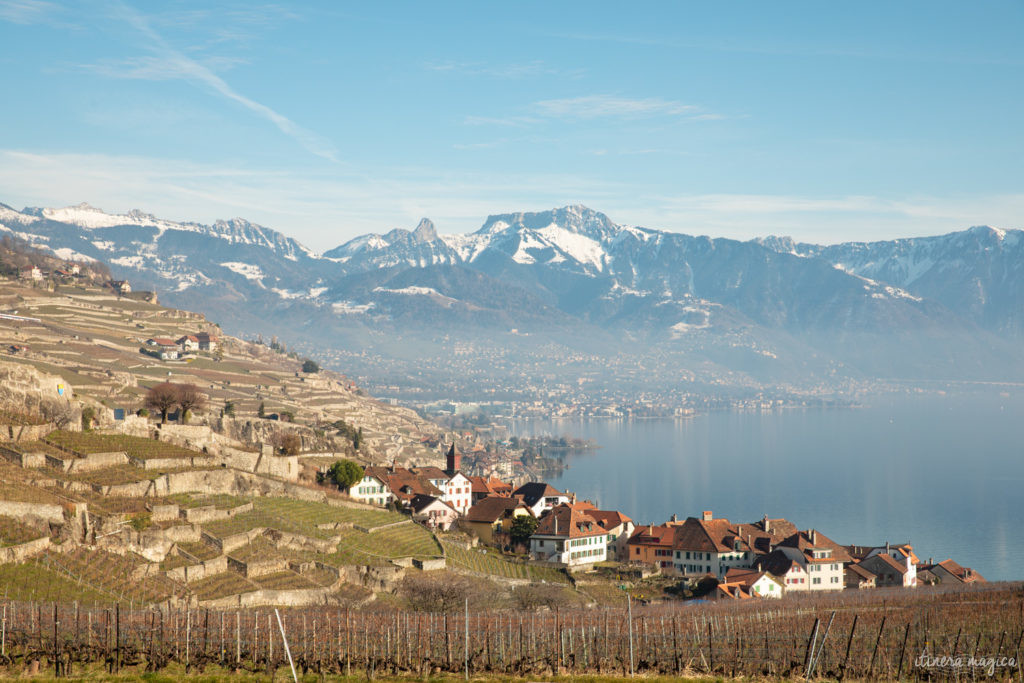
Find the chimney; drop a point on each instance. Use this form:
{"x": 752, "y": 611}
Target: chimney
{"x": 675, "y": 517}
{"x": 766, "y": 524}
{"x": 887, "y": 547}
{"x": 814, "y": 537}
{"x": 707, "y": 515}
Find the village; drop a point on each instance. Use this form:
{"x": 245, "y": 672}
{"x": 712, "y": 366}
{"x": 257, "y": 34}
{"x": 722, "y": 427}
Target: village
{"x": 768, "y": 558}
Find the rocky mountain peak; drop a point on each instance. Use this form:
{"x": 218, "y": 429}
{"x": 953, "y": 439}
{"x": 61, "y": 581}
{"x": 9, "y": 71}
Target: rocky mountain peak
{"x": 425, "y": 231}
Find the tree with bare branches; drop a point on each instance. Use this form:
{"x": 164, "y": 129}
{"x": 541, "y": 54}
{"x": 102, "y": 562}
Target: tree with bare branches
{"x": 190, "y": 399}
{"x": 162, "y": 397}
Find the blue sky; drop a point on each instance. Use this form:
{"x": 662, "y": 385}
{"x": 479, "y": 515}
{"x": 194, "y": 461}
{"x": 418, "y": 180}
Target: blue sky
{"x": 824, "y": 121}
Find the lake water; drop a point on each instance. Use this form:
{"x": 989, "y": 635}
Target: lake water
{"x": 945, "y": 473}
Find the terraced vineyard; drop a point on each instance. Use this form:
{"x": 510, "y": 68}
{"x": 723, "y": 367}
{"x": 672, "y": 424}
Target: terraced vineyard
{"x": 220, "y": 585}
{"x": 13, "y": 532}
{"x": 112, "y": 574}
{"x": 380, "y": 547}
{"x": 299, "y": 517}
{"x": 134, "y": 446}
{"x": 221, "y": 501}
{"x": 37, "y": 581}
{"x": 485, "y": 561}
{"x": 284, "y": 580}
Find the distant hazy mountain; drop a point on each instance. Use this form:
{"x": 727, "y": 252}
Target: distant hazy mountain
{"x": 949, "y": 303}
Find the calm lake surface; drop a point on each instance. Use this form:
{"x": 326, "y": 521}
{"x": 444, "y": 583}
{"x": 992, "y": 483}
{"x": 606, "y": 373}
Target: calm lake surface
{"x": 945, "y": 473}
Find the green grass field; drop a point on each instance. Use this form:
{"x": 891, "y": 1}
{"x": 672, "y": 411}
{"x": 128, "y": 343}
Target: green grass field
{"x": 380, "y": 547}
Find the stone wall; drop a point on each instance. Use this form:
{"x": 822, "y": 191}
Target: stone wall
{"x": 25, "y": 432}
{"x": 286, "y": 598}
{"x": 50, "y": 513}
{"x": 209, "y": 513}
{"x": 23, "y": 551}
{"x": 96, "y": 461}
{"x": 34, "y": 459}
{"x": 164, "y": 513}
{"x": 197, "y": 572}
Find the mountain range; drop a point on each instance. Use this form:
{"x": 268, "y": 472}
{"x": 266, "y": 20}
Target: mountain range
{"x": 946, "y": 306}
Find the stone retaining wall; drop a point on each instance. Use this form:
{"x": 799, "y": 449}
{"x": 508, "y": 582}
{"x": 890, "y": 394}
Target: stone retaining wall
{"x": 298, "y": 597}
{"x": 51, "y": 513}
{"x": 210, "y": 513}
{"x": 23, "y": 551}
{"x": 197, "y": 572}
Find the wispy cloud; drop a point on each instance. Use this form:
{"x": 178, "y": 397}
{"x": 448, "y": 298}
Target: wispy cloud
{"x": 599, "y": 106}
{"x": 166, "y": 62}
{"x": 25, "y": 11}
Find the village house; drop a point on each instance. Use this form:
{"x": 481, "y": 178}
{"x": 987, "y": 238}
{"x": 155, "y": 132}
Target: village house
{"x": 786, "y": 564}
{"x": 541, "y": 496}
{"x": 491, "y": 518}
{"x": 189, "y": 342}
{"x": 372, "y": 488}
{"x": 889, "y": 572}
{"x": 754, "y": 583}
{"x": 710, "y": 546}
{"x": 483, "y": 487}
{"x": 121, "y": 287}
{"x": 858, "y": 577}
{"x": 823, "y": 559}
{"x": 432, "y": 512}
{"x": 619, "y": 528}
{"x": 405, "y": 485}
{"x": 567, "y": 535}
{"x": 455, "y": 487}
{"x": 207, "y": 342}
{"x": 164, "y": 348}
{"x": 30, "y": 273}
{"x": 949, "y": 572}
{"x": 649, "y": 544}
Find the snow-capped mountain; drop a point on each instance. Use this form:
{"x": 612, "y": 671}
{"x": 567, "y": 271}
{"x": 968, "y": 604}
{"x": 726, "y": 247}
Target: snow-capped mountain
{"x": 572, "y": 269}
{"x": 977, "y": 273}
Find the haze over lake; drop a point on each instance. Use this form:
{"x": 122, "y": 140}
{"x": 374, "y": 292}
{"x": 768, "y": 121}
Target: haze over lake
{"x": 945, "y": 473}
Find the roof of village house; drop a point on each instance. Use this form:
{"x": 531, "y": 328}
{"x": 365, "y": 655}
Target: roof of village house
{"x": 493, "y": 508}
{"x": 860, "y": 572}
{"x": 746, "y": 577}
{"x": 379, "y": 473}
{"x": 420, "y": 502}
{"x": 188, "y": 337}
{"x": 405, "y": 484}
{"x": 778, "y": 528}
{"x": 713, "y": 536}
{"x": 206, "y": 336}
{"x": 535, "y": 490}
{"x": 430, "y": 472}
{"x": 649, "y": 534}
{"x": 779, "y": 561}
{"x": 733, "y": 590}
{"x": 569, "y": 522}
{"x": 163, "y": 341}
{"x": 805, "y": 541}
{"x": 754, "y": 538}
{"x": 965, "y": 574}
{"x": 886, "y": 561}
{"x": 609, "y": 519}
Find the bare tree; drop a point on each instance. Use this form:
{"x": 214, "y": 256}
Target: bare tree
{"x": 162, "y": 397}
{"x": 190, "y": 399}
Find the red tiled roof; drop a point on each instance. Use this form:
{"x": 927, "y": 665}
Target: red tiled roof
{"x": 801, "y": 540}
{"x": 651, "y": 535}
{"x": 493, "y": 508}
{"x": 609, "y": 519}
{"x": 568, "y": 522}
